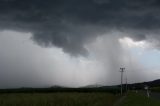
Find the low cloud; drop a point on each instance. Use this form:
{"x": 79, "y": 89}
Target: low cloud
{"x": 87, "y": 31}
{"x": 69, "y": 24}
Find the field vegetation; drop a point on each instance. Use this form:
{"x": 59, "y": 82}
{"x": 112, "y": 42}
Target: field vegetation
{"x": 155, "y": 89}
{"x": 138, "y": 99}
{"x": 58, "y": 99}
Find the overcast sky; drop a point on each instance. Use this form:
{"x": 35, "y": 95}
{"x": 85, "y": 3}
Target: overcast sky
{"x": 78, "y": 42}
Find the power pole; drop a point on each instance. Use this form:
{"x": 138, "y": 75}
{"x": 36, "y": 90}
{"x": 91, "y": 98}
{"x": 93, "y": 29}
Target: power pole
{"x": 122, "y": 70}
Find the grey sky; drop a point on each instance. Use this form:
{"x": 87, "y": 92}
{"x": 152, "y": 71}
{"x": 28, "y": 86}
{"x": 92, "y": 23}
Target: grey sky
{"x": 69, "y": 24}
{"x": 74, "y": 42}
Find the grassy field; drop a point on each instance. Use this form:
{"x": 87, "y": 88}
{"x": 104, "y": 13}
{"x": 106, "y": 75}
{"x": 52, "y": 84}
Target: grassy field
{"x": 57, "y": 99}
{"x": 135, "y": 99}
{"x": 155, "y": 89}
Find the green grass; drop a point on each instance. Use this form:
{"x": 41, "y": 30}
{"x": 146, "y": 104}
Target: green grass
{"x": 135, "y": 99}
{"x": 57, "y": 99}
{"x": 155, "y": 89}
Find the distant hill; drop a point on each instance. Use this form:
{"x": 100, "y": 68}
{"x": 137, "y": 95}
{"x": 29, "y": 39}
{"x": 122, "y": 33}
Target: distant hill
{"x": 141, "y": 85}
{"x": 89, "y": 88}
{"x": 92, "y": 86}
{"x": 155, "y": 83}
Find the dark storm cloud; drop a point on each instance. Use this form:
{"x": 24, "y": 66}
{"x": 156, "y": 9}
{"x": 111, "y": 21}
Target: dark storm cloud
{"x": 69, "y": 24}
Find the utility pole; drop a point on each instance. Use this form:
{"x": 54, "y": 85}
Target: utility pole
{"x": 122, "y": 70}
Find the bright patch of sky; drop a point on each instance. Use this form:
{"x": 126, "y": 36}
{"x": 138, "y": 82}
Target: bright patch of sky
{"x": 143, "y": 51}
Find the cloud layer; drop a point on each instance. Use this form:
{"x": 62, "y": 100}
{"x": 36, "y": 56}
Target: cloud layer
{"x": 70, "y": 24}
{"x": 83, "y": 35}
